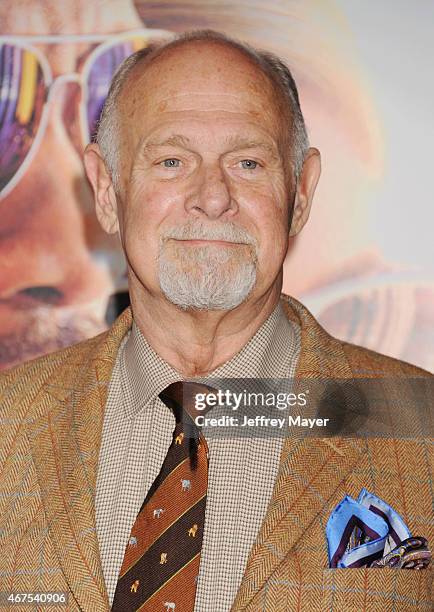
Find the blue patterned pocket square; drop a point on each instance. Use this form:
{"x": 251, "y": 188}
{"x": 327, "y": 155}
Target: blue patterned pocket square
{"x": 367, "y": 532}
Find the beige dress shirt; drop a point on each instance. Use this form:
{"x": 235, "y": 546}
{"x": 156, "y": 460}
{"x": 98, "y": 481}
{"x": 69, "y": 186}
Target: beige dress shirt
{"x": 137, "y": 432}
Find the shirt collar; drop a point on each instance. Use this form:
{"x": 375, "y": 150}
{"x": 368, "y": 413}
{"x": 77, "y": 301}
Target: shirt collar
{"x": 269, "y": 353}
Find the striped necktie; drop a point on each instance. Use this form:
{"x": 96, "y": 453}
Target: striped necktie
{"x": 161, "y": 560}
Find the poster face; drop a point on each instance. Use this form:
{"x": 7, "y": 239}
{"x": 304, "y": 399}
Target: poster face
{"x": 60, "y": 271}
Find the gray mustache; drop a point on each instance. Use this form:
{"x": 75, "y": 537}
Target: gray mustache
{"x": 228, "y": 233}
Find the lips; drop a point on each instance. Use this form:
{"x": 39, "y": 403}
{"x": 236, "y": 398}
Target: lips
{"x": 207, "y": 242}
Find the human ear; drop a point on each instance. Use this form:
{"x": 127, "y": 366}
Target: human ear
{"x": 305, "y": 190}
{"x": 103, "y": 190}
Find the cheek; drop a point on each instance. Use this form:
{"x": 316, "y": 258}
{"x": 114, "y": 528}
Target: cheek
{"x": 147, "y": 209}
{"x": 272, "y": 223}
{"x": 274, "y": 242}
{"x": 267, "y": 209}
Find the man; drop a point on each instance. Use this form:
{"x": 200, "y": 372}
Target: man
{"x": 202, "y": 167}
{"x": 44, "y": 307}
{"x": 352, "y": 287}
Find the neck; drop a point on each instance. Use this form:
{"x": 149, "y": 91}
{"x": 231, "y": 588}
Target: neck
{"x": 197, "y": 342}
{"x": 68, "y": 17}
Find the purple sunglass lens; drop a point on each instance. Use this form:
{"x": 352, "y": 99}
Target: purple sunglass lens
{"x": 100, "y": 76}
{"x": 22, "y": 97}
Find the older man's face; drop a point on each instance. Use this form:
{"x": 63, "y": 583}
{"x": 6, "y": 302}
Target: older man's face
{"x": 205, "y": 202}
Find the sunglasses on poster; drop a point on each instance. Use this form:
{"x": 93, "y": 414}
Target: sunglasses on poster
{"x": 27, "y": 85}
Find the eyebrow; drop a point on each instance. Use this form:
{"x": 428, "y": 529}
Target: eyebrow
{"x": 237, "y": 142}
{"x": 176, "y": 140}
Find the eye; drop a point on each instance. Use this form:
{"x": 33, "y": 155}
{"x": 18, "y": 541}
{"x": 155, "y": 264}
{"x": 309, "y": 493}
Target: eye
{"x": 171, "y": 163}
{"x": 248, "y": 164}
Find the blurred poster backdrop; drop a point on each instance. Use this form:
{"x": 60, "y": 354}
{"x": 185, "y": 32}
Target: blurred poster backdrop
{"x": 364, "y": 262}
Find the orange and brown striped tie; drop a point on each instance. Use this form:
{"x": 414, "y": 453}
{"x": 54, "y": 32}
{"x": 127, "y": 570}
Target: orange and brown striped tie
{"x": 161, "y": 561}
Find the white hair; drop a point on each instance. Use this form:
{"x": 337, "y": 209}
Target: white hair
{"x": 270, "y": 64}
{"x": 208, "y": 277}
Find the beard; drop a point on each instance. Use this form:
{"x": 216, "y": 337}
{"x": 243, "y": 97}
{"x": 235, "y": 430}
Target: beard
{"x": 49, "y": 329}
{"x": 207, "y": 277}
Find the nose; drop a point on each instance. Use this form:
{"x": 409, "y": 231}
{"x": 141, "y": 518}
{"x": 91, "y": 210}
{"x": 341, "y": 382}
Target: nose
{"x": 212, "y": 195}
{"x": 46, "y": 237}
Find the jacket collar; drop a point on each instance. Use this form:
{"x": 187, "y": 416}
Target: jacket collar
{"x": 65, "y": 438}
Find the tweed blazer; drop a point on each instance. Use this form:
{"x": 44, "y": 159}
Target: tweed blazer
{"x": 52, "y": 412}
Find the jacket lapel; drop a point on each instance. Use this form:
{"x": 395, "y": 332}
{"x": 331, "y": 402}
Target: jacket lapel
{"x": 309, "y": 470}
{"x": 65, "y": 439}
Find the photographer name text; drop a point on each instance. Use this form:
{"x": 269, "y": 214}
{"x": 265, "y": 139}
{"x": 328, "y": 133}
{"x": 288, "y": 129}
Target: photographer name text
{"x": 260, "y": 421}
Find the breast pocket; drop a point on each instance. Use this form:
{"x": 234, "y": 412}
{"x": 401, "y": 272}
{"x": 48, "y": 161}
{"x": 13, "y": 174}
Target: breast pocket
{"x": 377, "y": 589}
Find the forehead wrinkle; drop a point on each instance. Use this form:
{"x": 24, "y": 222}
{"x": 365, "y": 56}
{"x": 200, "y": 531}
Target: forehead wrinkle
{"x": 235, "y": 141}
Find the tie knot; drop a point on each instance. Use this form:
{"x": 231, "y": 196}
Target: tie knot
{"x": 180, "y": 397}
{"x": 184, "y": 396}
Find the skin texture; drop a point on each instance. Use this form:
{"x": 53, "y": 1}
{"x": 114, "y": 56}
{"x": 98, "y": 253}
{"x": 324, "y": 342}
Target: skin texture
{"x": 318, "y": 44}
{"x": 215, "y": 98}
{"x": 55, "y": 279}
